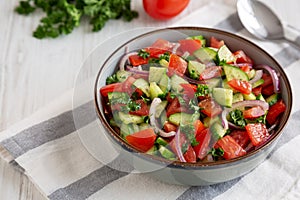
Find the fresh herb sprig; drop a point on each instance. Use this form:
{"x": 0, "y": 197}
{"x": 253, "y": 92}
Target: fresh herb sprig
{"x": 62, "y": 16}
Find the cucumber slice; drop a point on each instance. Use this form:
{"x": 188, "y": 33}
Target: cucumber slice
{"x": 237, "y": 97}
{"x": 166, "y": 153}
{"x": 160, "y": 108}
{"x": 205, "y": 55}
{"x": 212, "y": 83}
{"x": 161, "y": 141}
{"x": 128, "y": 118}
{"x": 155, "y": 73}
{"x": 195, "y": 69}
{"x": 260, "y": 97}
{"x": 164, "y": 63}
{"x": 251, "y": 74}
{"x": 175, "y": 83}
{"x": 143, "y": 85}
{"x": 250, "y": 96}
{"x": 183, "y": 118}
{"x": 155, "y": 90}
{"x": 165, "y": 83}
{"x": 217, "y": 130}
{"x": 122, "y": 75}
{"x": 258, "y": 83}
{"x": 127, "y": 129}
{"x": 224, "y": 55}
{"x": 223, "y": 96}
{"x": 233, "y": 72}
{"x": 271, "y": 100}
{"x": 144, "y": 126}
{"x": 152, "y": 150}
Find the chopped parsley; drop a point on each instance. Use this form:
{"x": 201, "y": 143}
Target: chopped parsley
{"x": 202, "y": 90}
{"x": 112, "y": 79}
{"x": 143, "y": 53}
{"x": 236, "y": 117}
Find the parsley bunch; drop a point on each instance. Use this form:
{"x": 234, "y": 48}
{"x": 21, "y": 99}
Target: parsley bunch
{"x": 62, "y": 16}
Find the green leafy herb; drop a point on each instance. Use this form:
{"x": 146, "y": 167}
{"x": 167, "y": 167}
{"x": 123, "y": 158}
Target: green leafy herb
{"x": 189, "y": 131}
{"x": 261, "y": 119}
{"x": 165, "y": 56}
{"x": 216, "y": 153}
{"x": 236, "y": 116}
{"x": 118, "y": 98}
{"x": 202, "y": 90}
{"x": 193, "y": 105}
{"x": 62, "y": 16}
{"x": 133, "y": 106}
{"x": 112, "y": 79}
{"x": 143, "y": 53}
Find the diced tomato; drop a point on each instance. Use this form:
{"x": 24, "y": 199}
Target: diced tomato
{"x": 258, "y": 133}
{"x": 253, "y": 112}
{"x": 189, "y": 45}
{"x": 137, "y": 60}
{"x": 245, "y": 68}
{"x": 143, "y": 111}
{"x": 215, "y": 43}
{"x": 275, "y": 110}
{"x": 189, "y": 89}
{"x": 268, "y": 90}
{"x": 199, "y": 126}
{"x": 257, "y": 91}
{"x": 114, "y": 87}
{"x": 177, "y": 64}
{"x": 211, "y": 72}
{"x": 210, "y": 107}
{"x": 155, "y": 52}
{"x": 241, "y": 137}
{"x": 230, "y": 147}
{"x": 138, "y": 92}
{"x": 241, "y": 57}
{"x": 142, "y": 140}
{"x": 162, "y": 44}
{"x": 168, "y": 127}
{"x": 190, "y": 155}
{"x": 175, "y": 107}
{"x": 242, "y": 86}
{"x": 267, "y": 80}
{"x": 203, "y": 139}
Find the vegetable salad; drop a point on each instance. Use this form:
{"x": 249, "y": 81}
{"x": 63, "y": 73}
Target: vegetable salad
{"x": 193, "y": 100}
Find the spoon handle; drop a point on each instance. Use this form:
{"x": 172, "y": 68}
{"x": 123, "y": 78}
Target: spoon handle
{"x": 292, "y": 35}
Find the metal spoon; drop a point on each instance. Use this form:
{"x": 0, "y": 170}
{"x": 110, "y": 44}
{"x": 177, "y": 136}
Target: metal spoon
{"x": 262, "y": 22}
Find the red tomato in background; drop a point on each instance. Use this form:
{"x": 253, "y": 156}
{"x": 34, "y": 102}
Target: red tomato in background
{"x": 164, "y": 9}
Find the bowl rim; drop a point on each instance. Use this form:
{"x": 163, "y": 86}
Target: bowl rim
{"x": 198, "y": 165}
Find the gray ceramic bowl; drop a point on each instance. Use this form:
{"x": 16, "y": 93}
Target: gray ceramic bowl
{"x": 189, "y": 173}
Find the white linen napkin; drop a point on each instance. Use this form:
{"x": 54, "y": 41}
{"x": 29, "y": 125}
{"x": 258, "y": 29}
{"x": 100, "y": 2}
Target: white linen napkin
{"x": 46, "y": 146}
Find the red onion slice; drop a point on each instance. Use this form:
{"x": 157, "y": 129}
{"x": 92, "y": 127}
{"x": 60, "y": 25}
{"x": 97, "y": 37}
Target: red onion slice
{"x": 177, "y": 146}
{"x": 153, "y": 121}
{"x": 258, "y": 75}
{"x": 247, "y": 103}
{"x": 136, "y": 70}
{"x": 273, "y": 74}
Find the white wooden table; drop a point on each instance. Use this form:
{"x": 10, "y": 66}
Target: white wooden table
{"x": 34, "y": 72}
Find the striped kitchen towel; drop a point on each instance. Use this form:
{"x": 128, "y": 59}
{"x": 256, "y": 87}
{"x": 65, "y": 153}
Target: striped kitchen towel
{"x": 47, "y": 147}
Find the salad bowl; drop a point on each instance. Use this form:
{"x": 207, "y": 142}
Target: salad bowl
{"x": 175, "y": 171}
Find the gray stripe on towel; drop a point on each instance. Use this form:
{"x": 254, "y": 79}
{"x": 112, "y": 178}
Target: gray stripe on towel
{"x": 232, "y": 23}
{"x": 46, "y": 131}
{"x": 95, "y": 181}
